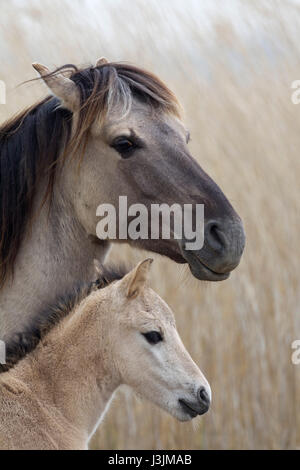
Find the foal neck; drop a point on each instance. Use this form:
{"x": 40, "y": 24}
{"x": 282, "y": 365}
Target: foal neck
{"x": 72, "y": 369}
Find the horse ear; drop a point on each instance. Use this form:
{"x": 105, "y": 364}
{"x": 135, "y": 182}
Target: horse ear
{"x": 101, "y": 61}
{"x": 136, "y": 279}
{"x": 61, "y": 86}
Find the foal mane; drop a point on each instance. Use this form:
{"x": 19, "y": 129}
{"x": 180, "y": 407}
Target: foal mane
{"x": 24, "y": 342}
{"x": 32, "y": 142}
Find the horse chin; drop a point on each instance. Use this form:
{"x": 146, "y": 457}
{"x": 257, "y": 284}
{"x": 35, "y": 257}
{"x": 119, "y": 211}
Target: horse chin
{"x": 176, "y": 410}
{"x": 200, "y": 270}
{"x": 181, "y": 415}
{"x": 184, "y": 417}
{"x": 203, "y": 273}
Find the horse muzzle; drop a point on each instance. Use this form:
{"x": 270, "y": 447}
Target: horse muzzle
{"x": 197, "y": 407}
{"x": 224, "y": 242}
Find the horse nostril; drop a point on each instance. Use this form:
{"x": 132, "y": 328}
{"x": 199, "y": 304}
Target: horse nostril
{"x": 203, "y": 396}
{"x": 215, "y": 236}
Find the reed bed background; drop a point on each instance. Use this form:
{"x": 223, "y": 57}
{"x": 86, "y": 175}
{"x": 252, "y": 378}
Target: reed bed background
{"x": 231, "y": 64}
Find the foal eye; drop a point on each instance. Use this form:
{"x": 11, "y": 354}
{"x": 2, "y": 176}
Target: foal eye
{"x": 153, "y": 337}
{"x": 125, "y": 146}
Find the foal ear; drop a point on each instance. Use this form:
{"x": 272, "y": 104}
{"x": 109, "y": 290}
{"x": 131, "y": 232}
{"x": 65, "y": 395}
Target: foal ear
{"x": 61, "y": 87}
{"x": 136, "y": 279}
{"x": 97, "y": 268}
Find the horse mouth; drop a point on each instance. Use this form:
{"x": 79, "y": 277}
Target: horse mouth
{"x": 190, "y": 410}
{"x": 200, "y": 270}
{"x": 203, "y": 272}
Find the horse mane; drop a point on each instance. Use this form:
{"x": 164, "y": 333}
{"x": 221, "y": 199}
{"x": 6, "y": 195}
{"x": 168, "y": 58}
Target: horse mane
{"x": 24, "y": 342}
{"x": 32, "y": 142}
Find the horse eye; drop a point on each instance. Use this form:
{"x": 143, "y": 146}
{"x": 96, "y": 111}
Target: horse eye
{"x": 153, "y": 337}
{"x": 124, "y": 146}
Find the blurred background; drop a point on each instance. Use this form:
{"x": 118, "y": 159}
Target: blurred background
{"x": 231, "y": 64}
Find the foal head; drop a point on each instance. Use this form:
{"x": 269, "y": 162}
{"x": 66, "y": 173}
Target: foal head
{"x": 147, "y": 351}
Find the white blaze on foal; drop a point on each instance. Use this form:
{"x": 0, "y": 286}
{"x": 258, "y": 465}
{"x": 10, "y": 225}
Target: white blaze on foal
{"x": 115, "y": 331}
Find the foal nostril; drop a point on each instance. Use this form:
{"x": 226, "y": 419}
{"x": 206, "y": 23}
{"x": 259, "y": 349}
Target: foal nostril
{"x": 203, "y": 397}
{"x": 215, "y": 236}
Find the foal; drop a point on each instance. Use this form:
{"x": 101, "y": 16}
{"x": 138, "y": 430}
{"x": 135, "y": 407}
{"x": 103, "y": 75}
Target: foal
{"x": 124, "y": 333}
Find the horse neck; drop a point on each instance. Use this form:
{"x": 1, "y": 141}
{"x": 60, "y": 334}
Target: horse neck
{"x": 72, "y": 368}
{"x": 55, "y": 253}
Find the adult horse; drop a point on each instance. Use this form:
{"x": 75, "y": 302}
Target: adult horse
{"x": 104, "y": 131}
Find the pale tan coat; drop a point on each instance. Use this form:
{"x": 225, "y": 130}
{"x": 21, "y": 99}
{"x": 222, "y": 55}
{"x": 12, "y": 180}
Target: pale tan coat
{"x": 55, "y": 396}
